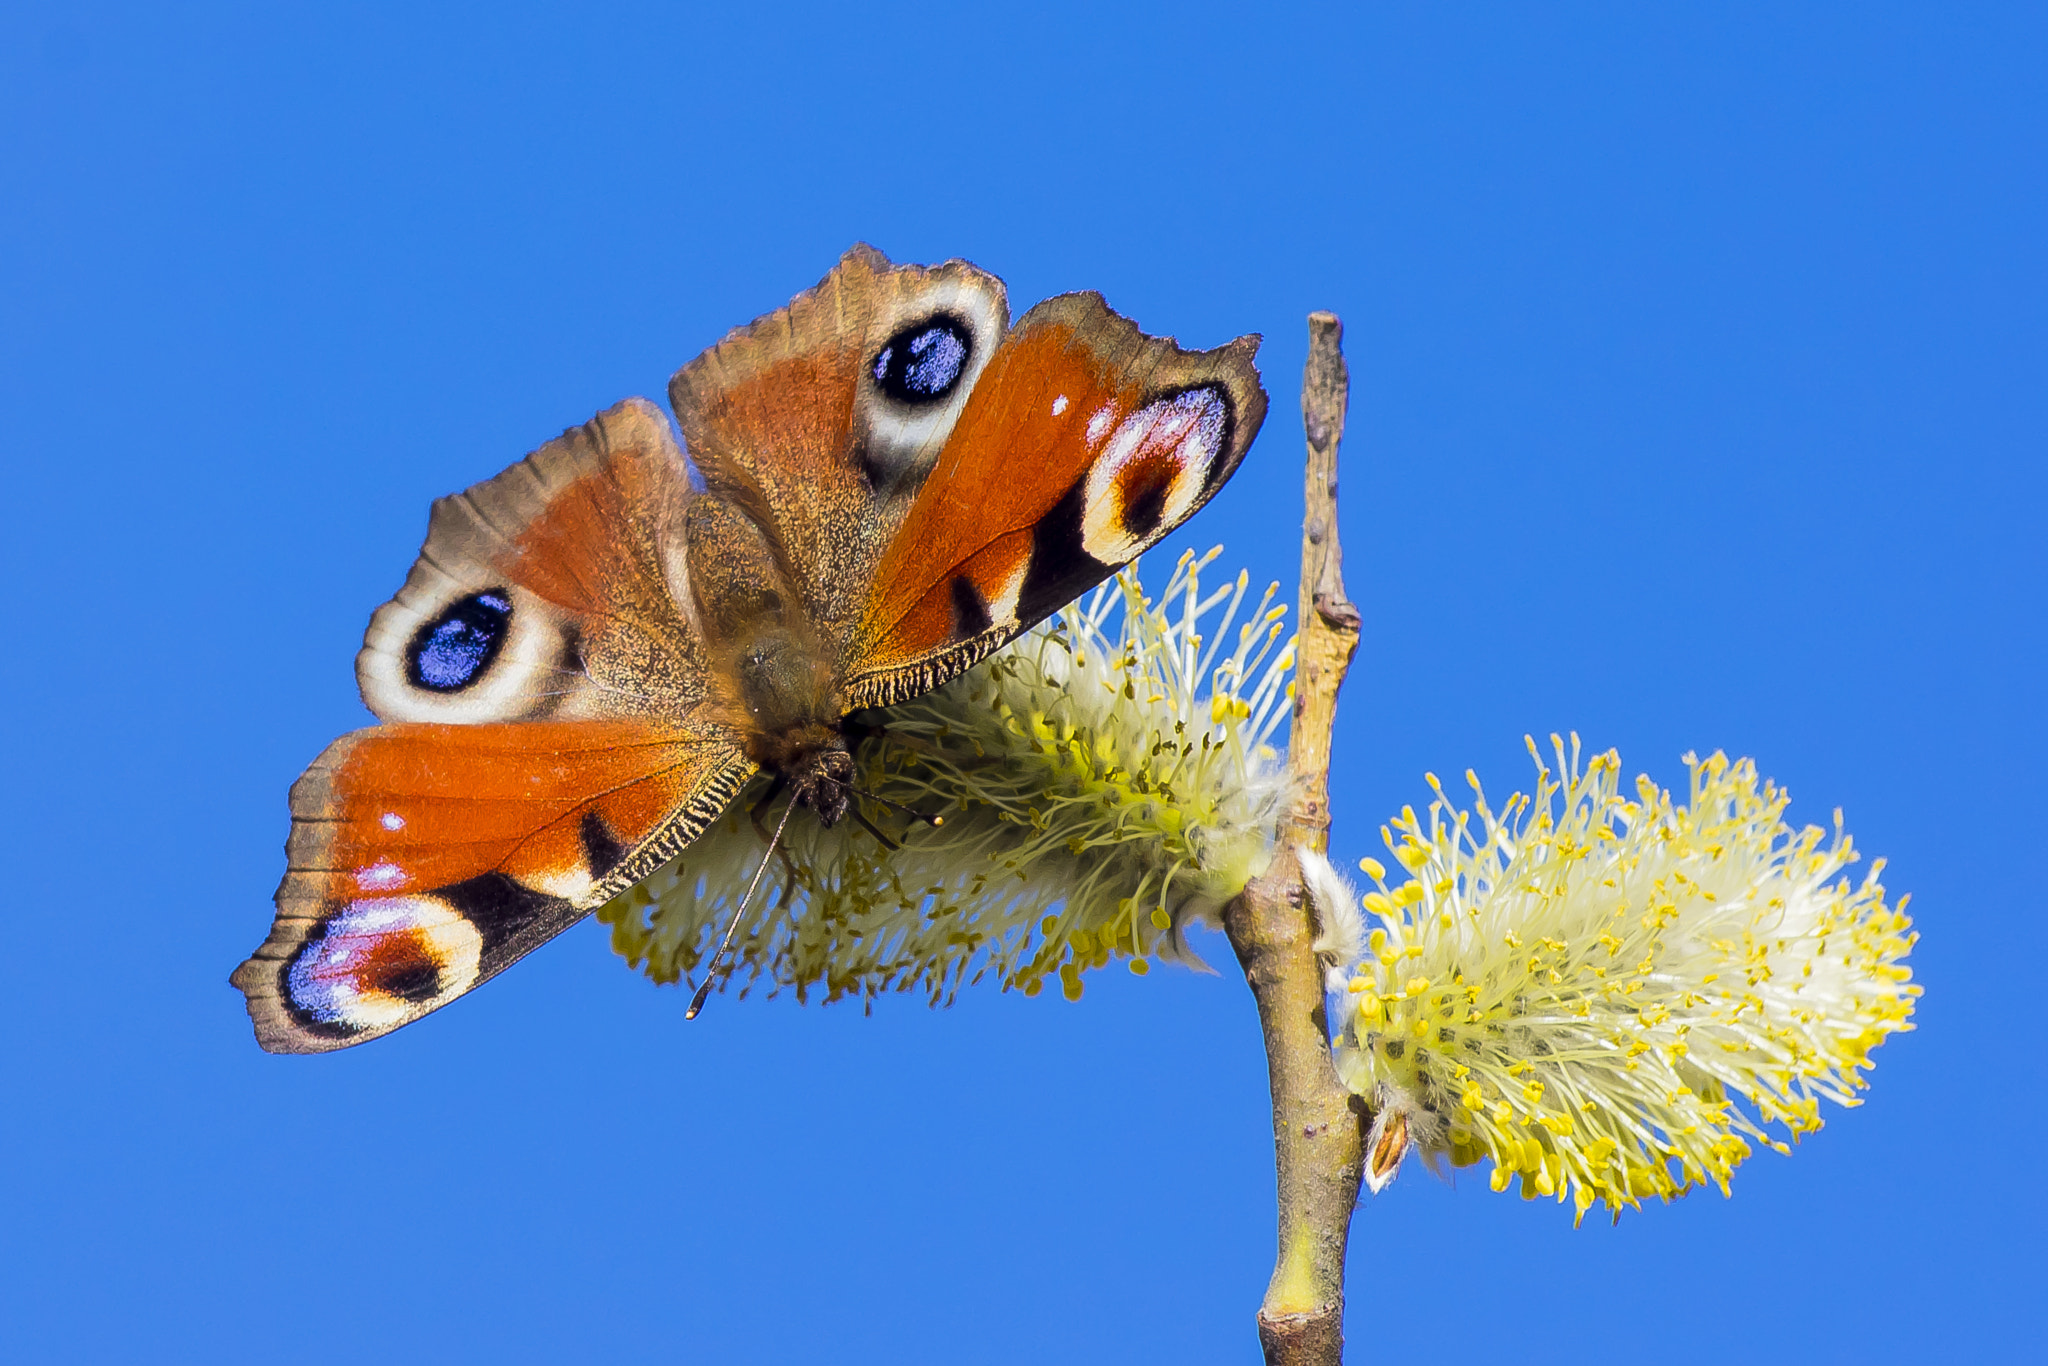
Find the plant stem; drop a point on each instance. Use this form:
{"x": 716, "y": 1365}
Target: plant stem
{"x": 1318, "y": 1131}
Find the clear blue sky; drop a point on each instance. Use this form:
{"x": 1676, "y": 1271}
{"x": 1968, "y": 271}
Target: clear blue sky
{"x": 1699, "y": 403}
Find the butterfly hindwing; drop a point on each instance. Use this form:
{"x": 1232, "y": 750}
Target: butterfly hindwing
{"x": 425, "y": 859}
{"x": 819, "y": 420}
{"x": 548, "y": 592}
{"x": 1084, "y": 442}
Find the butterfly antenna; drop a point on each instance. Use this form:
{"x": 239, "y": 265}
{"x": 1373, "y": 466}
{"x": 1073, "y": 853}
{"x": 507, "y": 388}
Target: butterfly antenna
{"x": 732, "y": 926}
{"x": 910, "y": 811}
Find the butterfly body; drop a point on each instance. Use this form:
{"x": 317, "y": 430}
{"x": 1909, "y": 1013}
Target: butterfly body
{"x": 596, "y": 650}
{"x": 785, "y": 696}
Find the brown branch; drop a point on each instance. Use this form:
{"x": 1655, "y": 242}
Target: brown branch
{"x": 1318, "y": 1137}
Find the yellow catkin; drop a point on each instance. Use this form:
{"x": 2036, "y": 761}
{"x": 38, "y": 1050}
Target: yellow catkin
{"x": 1595, "y": 1050}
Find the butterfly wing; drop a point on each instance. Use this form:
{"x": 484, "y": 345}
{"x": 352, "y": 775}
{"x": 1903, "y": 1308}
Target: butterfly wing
{"x": 549, "y": 742}
{"x": 1083, "y": 443}
{"x": 819, "y": 421}
{"x": 551, "y": 592}
{"x": 425, "y": 859}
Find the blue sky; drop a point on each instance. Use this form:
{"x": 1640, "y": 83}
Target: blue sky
{"x": 1697, "y": 404}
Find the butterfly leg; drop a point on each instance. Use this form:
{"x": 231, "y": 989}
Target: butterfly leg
{"x": 891, "y": 845}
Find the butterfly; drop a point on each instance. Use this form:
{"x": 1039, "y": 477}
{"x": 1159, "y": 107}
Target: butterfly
{"x": 885, "y": 482}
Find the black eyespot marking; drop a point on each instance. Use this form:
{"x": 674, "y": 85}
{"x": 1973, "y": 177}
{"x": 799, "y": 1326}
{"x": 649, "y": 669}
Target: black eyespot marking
{"x": 453, "y": 650}
{"x": 505, "y": 911}
{"x": 1148, "y": 503}
{"x": 416, "y": 979}
{"x": 923, "y": 362}
{"x": 321, "y": 981}
{"x": 970, "y": 609}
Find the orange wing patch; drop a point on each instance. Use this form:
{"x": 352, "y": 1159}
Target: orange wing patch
{"x": 1028, "y": 433}
{"x": 409, "y": 808}
{"x": 594, "y": 549}
{"x": 425, "y": 859}
{"x": 789, "y": 418}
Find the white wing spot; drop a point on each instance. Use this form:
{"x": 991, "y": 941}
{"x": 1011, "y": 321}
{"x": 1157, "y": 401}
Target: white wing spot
{"x": 1099, "y": 423}
{"x": 1059, "y": 405}
{"x": 380, "y": 877}
{"x": 391, "y": 820}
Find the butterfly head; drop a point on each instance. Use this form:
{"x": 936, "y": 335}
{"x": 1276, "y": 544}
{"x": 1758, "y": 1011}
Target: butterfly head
{"x": 822, "y": 780}
{"x": 813, "y": 761}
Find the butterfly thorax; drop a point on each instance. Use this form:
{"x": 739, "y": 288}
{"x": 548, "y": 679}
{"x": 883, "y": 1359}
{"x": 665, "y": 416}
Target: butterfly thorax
{"x": 790, "y": 719}
{"x": 782, "y": 686}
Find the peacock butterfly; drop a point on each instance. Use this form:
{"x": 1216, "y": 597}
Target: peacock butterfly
{"x": 596, "y": 649}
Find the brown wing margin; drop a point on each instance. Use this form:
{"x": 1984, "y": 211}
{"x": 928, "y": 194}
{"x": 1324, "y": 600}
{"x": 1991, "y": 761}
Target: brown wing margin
{"x": 426, "y": 859}
{"x": 1084, "y": 443}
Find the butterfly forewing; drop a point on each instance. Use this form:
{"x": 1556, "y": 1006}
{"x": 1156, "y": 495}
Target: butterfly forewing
{"x": 425, "y": 859}
{"x": 1084, "y": 443}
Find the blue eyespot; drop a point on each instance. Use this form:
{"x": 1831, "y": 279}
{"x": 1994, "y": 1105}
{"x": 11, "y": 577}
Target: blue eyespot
{"x": 453, "y": 650}
{"x": 923, "y": 362}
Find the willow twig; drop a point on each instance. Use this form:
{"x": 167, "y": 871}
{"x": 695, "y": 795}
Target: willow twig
{"x": 1318, "y": 1135}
